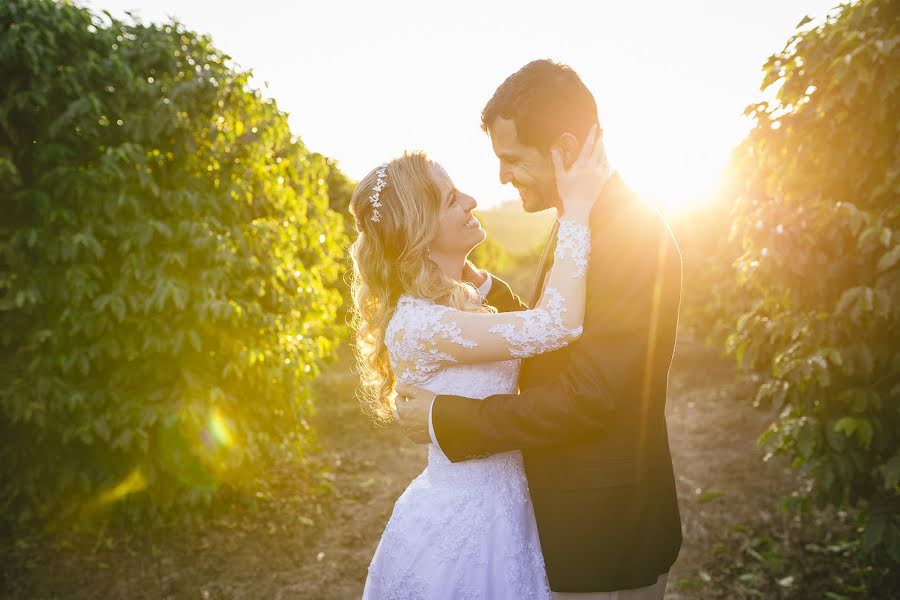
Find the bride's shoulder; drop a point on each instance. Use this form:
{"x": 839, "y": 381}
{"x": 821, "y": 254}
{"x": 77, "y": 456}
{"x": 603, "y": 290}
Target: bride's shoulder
{"x": 408, "y": 299}
{"x": 407, "y": 303}
{"x": 412, "y": 310}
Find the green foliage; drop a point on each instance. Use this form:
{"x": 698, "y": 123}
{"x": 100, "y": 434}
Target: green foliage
{"x": 490, "y": 255}
{"x": 522, "y": 269}
{"x": 514, "y": 229}
{"x": 819, "y": 228}
{"x": 169, "y": 264}
{"x": 340, "y": 190}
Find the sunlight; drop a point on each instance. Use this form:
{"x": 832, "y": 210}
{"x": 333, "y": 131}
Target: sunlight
{"x": 674, "y": 190}
{"x": 680, "y": 183}
{"x": 649, "y": 87}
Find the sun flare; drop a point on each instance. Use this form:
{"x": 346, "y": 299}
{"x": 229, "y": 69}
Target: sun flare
{"x": 682, "y": 184}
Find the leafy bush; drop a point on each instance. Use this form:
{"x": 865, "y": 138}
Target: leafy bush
{"x": 819, "y": 227}
{"x": 169, "y": 264}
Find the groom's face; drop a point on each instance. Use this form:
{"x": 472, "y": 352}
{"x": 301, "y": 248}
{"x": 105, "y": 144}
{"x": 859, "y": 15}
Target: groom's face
{"x": 529, "y": 170}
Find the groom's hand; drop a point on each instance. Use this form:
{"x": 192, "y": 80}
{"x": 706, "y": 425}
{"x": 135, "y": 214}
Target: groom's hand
{"x": 474, "y": 275}
{"x": 413, "y": 406}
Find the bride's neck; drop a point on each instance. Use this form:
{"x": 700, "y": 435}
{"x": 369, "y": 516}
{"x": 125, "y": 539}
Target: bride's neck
{"x": 452, "y": 266}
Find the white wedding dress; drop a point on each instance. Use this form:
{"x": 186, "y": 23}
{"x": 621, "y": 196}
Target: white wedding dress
{"x": 466, "y": 530}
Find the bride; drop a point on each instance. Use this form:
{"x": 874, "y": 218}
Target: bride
{"x": 464, "y": 530}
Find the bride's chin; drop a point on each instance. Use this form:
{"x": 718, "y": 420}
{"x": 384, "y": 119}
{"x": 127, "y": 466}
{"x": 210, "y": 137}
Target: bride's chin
{"x": 482, "y": 235}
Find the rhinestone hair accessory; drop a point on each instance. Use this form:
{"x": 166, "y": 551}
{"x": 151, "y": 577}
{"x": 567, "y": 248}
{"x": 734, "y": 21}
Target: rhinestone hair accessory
{"x": 380, "y": 183}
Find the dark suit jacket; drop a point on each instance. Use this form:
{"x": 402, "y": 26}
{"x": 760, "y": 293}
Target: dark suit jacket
{"x": 590, "y": 418}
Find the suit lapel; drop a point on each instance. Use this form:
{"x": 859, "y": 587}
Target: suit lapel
{"x": 542, "y": 270}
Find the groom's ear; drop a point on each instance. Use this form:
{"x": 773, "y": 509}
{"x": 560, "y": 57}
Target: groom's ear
{"x": 569, "y": 146}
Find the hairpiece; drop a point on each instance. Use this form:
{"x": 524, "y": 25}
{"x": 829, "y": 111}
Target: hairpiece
{"x": 380, "y": 183}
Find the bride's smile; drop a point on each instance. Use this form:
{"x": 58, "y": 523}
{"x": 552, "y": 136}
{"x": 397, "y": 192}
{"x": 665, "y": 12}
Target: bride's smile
{"x": 458, "y": 230}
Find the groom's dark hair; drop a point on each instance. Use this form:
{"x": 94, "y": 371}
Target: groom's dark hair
{"x": 545, "y": 99}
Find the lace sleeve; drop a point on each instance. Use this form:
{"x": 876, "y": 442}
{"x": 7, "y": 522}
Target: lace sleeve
{"x": 422, "y": 336}
{"x": 411, "y": 339}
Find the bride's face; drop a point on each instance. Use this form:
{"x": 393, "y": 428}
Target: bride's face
{"x": 458, "y": 229}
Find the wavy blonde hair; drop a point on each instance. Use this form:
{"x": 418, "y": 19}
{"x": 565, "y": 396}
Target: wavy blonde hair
{"x": 390, "y": 258}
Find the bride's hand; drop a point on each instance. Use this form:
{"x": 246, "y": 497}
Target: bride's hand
{"x": 580, "y": 184}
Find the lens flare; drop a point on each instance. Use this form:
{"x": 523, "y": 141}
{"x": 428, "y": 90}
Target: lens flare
{"x": 132, "y": 483}
{"x": 218, "y": 427}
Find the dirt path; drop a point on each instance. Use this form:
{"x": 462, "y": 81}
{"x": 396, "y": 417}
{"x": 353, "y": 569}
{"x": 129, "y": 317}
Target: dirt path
{"x": 736, "y": 545}
{"x": 713, "y": 431}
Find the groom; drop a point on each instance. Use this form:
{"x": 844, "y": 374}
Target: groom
{"x": 589, "y": 418}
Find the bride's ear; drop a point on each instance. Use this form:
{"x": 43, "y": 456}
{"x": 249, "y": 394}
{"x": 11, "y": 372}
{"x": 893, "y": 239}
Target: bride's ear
{"x": 569, "y": 146}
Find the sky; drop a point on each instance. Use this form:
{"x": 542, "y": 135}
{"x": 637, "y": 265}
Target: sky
{"x": 363, "y": 81}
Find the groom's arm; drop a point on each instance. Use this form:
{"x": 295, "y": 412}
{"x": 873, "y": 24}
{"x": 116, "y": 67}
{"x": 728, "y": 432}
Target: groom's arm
{"x": 638, "y": 294}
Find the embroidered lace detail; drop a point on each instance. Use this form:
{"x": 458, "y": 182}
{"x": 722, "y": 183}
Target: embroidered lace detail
{"x": 410, "y": 338}
{"x": 573, "y": 240}
{"x": 539, "y": 330}
{"x": 460, "y": 530}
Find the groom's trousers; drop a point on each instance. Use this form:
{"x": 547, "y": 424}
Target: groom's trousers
{"x": 652, "y": 592}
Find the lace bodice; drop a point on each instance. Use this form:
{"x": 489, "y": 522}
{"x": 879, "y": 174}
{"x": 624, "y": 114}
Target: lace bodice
{"x": 469, "y": 525}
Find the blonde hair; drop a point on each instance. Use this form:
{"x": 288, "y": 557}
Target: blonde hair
{"x": 390, "y": 258}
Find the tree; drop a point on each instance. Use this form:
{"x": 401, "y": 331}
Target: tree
{"x": 168, "y": 263}
{"x": 819, "y": 226}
